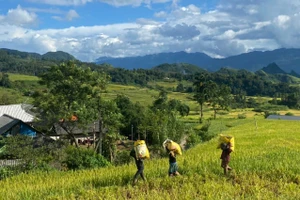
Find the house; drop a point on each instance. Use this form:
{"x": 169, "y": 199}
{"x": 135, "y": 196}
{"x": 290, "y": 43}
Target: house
{"x": 18, "y": 111}
{"x": 10, "y": 126}
{"x": 283, "y": 117}
{"x": 81, "y": 135}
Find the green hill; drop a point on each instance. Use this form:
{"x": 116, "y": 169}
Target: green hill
{"x": 273, "y": 68}
{"x": 265, "y": 166}
{"x": 13, "y": 61}
{"x": 58, "y": 55}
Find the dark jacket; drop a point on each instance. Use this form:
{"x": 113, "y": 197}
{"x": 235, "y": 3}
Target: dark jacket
{"x": 138, "y": 162}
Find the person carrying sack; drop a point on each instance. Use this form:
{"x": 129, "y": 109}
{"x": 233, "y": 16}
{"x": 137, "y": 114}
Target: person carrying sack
{"x": 140, "y": 167}
{"x": 225, "y": 157}
{"x": 173, "y": 166}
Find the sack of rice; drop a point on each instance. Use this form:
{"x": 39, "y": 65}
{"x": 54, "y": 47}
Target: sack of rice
{"x": 227, "y": 139}
{"x": 172, "y": 146}
{"x": 141, "y": 149}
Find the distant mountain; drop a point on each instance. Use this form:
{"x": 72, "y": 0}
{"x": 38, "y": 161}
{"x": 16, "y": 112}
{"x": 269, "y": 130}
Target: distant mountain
{"x": 287, "y": 59}
{"x": 20, "y": 54}
{"x": 149, "y": 61}
{"x": 58, "y": 55}
{"x": 14, "y": 61}
{"x": 273, "y": 73}
{"x": 293, "y": 73}
{"x": 273, "y": 69}
{"x": 183, "y": 68}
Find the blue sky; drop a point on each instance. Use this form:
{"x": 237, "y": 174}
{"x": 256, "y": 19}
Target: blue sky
{"x": 89, "y": 29}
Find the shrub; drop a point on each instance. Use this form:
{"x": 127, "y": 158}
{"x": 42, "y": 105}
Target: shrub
{"x": 203, "y": 133}
{"x": 78, "y": 158}
{"x": 242, "y": 116}
{"x": 269, "y": 107}
{"x": 289, "y": 114}
{"x": 6, "y": 172}
{"x": 192, "y": 140}
{"x": 223, "y": 112}
{"x": 122, "y": 157}
{"x": 267, "y": 113}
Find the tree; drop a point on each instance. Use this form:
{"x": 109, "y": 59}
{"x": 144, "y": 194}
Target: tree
{"x": 161, "y": 121}
{"x": 132, "y": 116}
{"x": 180, "y": 88}
{"x": 177, "y": 105}
{"x": 161, "y": 102}
{"x": 69, "y": 97}
{"x": 109, "y": 118}
{"x": 219, "y": 97}
{"x": 201, "y": 91}
{"x": 4, "y": 80}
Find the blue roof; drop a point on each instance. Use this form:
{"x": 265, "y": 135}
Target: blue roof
{"x": 283, "y": 117}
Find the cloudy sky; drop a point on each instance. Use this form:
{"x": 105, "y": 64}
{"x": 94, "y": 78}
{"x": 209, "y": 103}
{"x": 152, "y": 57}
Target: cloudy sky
{"x": 89, "y": 29}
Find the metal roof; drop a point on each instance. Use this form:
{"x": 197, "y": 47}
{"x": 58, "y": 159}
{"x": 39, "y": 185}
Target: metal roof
{"x": 6, "y": 122}
{"x": 93, "y": 127}
{"x": 283, "y": 117}
{"x": 17, "y": 111}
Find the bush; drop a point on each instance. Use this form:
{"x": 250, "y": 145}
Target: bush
{"x": 289, "y": 114}
{"x": 203, "y": 133}
{"x": 78, "y": 158}
{"x": 267, "y": 113}
{"x": 269, "y": 107}
{"x": 242, "y": 116}
{"x": 192, "y": 140}
{"x": 223, "y": 112}
{"x": 6, "y": 172}
{"x": 122, "y": 157}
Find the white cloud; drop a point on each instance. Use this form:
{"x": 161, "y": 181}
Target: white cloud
{"x": 116, "y": 3}
{"x": 282, "y": 21}
{"x": 44, "y": 10}
{"x": 19, "y": 17}
{"x": 179, "y": 31}
{"x": 234, "y": 27}
{"x": 62, "y": 2}
{"x": 69, "y": 16}
{"x": 161, "y": 14}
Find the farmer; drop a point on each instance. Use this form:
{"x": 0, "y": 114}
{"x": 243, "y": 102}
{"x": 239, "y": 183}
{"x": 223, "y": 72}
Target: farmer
{"x": 140, "y": 167}
{"x": 173, "y": 168}
{"x": 225, "y": 157}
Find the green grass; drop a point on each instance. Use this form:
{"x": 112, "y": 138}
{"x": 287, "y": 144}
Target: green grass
{"x": 21, "y": 77}
{"x": 265, "y": 162}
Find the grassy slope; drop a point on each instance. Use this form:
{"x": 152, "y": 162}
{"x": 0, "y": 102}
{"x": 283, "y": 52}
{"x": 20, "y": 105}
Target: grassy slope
{"x": 265, "y": 163}
{"x": 22, "y": 77}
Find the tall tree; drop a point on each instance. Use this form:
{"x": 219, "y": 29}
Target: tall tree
{"x": 219, "y": 97}
{"x": 201, "y": 91}
{"x": 69, "y": 97}
{"x": 109, "y": 119}
{"x": 4, "y": 80}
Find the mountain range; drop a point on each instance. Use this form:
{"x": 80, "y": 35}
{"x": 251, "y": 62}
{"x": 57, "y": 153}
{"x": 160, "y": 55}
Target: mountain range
{"x": 283, "y": 60}
{"x": 58, "y": 55}
{"x": 287, "y": 59}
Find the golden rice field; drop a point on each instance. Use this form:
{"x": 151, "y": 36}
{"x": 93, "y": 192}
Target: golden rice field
{"x": 265, "y": 166}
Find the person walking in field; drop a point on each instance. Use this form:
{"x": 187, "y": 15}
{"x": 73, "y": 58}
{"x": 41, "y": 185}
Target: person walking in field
{"x": 173, "y": 168}
{"x": 140, "y": 167}
{"x": 225, "y": 157}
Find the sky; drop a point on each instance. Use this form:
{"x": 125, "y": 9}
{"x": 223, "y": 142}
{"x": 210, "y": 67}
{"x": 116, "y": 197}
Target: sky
{"x": 89, "y": 29}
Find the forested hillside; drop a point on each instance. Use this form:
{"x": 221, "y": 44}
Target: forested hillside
{"x": 30, "y": 63}
{"x": 269, "y": 81}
